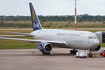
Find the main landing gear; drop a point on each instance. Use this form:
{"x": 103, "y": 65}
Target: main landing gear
{"x": 46, "y": 53}
{"x": 73, "y": 51}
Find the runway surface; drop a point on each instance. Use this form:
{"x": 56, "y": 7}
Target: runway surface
{"x": 32, "y": 59}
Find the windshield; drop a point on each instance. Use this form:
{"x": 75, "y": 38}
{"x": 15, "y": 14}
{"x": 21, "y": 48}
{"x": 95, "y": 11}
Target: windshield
{"x": 92, "y": 37}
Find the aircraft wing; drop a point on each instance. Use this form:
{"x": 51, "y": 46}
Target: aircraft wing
{"x": 34, "y": 41}
{"x": 18, "y": 34}
{"x": 14, "y": 36}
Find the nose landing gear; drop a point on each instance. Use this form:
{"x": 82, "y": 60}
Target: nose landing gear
{"x": 90, "y": 55}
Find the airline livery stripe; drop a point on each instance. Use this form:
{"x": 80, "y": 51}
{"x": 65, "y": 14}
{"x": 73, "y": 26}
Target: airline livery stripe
{"x": 33, "y": 15}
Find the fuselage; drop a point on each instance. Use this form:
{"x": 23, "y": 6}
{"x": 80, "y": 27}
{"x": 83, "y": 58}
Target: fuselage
{"x": 73, "y": 39}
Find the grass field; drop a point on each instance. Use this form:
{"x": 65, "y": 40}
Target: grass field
{"x": 11, "y": 44}
{"x": 60, "y": 24}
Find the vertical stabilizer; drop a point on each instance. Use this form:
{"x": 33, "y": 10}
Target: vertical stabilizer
{"x": 35, "y": 21}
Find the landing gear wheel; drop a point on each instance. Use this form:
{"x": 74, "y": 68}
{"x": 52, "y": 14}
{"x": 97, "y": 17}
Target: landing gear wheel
{"x": 90, "y": 55}
{"x": 46, "y": 53}
{"x": 73, "y": 51}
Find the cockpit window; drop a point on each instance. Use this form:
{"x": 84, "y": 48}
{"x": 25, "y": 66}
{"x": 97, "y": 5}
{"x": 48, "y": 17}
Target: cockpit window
{"x": 94, "y": 37}
{"x": 91, "y": 37}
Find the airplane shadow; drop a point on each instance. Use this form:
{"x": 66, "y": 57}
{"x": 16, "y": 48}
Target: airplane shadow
{"x": 62, "y": 54}
{"x": 53, "y": 54}
{"x": 58, "y": 54}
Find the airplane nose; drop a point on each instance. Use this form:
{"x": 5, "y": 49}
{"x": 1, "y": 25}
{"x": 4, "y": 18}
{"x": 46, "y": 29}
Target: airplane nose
{"x": 96, "y": 43}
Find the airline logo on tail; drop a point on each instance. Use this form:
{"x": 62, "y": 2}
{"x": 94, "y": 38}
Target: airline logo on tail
{"x": 35, "y": 21}
{"x": 33, "y": 15}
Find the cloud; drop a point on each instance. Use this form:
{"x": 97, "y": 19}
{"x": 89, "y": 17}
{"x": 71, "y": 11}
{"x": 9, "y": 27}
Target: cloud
{"x": 93, "y": 7}
{"x": 60, "y": 7}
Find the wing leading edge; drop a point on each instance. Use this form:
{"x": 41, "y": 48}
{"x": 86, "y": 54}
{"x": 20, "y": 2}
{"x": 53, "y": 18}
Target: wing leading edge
{"x": 18, "y": 33}
{"x": 35, "y": 41}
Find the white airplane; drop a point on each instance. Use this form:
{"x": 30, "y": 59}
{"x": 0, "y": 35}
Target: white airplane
{"x": 48, "y": 38}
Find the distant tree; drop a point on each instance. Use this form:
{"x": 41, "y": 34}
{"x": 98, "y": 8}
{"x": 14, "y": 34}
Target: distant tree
{"x": 66, "y": 25}
{"x": 103, "y": 22}
{"x": 50, "y": 23}
{"x": 15, "y": 19}
{"x": 59, "y": 26}
{"x": 90, "y": 21}
{"x": 94, "y": 21}
{"x": 99, "y": 20}
{"x": 80, "y": 20}
{"x": 41, "y": 22}
{"x": 69, "y": 22}
{"x": 48, "y": 26}
{"x": 2, "y": 19}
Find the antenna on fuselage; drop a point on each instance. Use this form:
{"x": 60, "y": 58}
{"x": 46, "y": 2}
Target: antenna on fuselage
{"x": 75, "y": 14}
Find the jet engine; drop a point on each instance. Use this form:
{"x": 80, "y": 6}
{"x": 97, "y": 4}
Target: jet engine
{"x": 97, "y": 49}
{"x": 45, "y": 48}
{"x": 101, "y": 36}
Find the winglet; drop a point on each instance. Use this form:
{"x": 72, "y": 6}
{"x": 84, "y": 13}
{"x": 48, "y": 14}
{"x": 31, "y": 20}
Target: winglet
{"x": 35, "y": 21}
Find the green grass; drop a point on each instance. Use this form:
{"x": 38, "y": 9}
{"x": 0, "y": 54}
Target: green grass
{"x": 102, "y": 45}
{"x": 11, "y": 44}
{"x": 60, "y": 24}
{"x": 16, "y": 22}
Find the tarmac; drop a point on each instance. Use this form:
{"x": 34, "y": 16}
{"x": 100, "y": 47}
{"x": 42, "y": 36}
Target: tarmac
{"x": 60, "y": 59}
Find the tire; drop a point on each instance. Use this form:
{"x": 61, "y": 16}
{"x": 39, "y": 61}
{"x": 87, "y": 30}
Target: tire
{"x": 46, "y": 53}
{"x": 71, "y": 52}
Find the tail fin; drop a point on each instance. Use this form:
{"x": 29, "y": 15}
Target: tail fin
{"x": 35, "y": 21}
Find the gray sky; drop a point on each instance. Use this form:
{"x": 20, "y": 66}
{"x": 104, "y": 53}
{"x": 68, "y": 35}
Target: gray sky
{"x": 52, "y": 7}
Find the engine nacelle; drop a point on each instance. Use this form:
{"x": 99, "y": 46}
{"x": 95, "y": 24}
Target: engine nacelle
{"x": 45, "y": 47}
{"x": 101, "y": 36}
{"x": 97, "y": 49}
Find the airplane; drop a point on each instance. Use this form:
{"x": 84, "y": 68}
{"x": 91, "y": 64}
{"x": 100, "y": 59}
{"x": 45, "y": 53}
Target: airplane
{"x": 46, "y": 39}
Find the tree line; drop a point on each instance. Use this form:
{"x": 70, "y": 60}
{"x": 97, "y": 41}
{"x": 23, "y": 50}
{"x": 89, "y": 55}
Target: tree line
{"x": 80, "y": 18}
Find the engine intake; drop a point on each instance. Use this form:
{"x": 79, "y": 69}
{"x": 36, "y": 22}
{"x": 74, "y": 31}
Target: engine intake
{"x": 45, "y": 47}
{"x": 97, "y": 49}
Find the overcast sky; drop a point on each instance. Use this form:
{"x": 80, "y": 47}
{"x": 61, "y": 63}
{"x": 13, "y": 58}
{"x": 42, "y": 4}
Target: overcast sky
{"x": 52, "y": 7}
